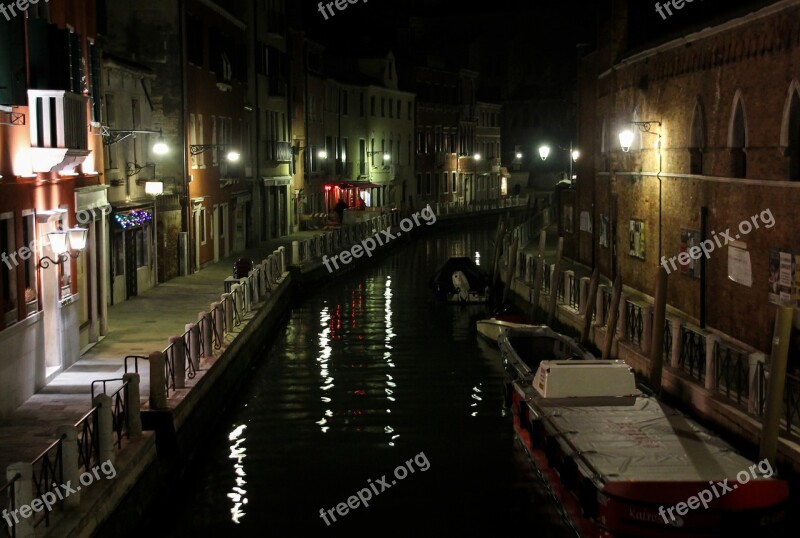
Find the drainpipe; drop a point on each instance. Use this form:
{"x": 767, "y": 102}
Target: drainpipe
{"x": 186, "y": 212}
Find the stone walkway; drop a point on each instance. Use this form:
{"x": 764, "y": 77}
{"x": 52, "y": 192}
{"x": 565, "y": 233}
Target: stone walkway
{"x": 135, "y": 327}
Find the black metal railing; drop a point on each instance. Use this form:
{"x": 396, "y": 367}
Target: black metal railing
{"x": 693, "y": 353}
{"x": 791, "y": 398}
{"x": 88, "y": 441}
{"x": 606, "y": 302}
{"x": 634, "y": 322}
{"x": 546, "y": 272}
{"x": 732, "y": 372}
{"x": 8, "y": 501}
{"x": 48, "y": 474}
{"x": 575, "y": 292}
{"x": 667, "y": 341}
{"x": 561, "y": 286}
{"x": 217, "y": 333}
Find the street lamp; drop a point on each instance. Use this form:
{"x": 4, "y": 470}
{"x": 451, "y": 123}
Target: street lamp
{"x": 477, "y": 156}
{"x": 544, "y": 151}
{"x": 626, "y": 136}
{"x": 626, "y": 139}
{"x": 322, "y": 154}
{"x": 519, "y": 155}
{"x": 112, "y": 136}
{"x": 197, "y": 149}
{"x": 574, "y": 154}
{"x": 58, "y": 242}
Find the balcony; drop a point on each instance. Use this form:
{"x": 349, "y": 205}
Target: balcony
{"x": 278, "y": 151}
{"x": 59, "y": 130}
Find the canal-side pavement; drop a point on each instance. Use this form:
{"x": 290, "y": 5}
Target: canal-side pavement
{"x": 137, "y": 327}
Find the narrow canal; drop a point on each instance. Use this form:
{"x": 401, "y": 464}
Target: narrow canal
{"x": 369, "y": 375}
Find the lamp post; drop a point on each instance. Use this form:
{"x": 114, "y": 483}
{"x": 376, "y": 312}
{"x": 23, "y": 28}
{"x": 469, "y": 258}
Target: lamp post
{"x": 574, "y": 154}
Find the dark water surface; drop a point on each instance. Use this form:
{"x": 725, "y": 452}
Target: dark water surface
{"x": 368, "y": 374}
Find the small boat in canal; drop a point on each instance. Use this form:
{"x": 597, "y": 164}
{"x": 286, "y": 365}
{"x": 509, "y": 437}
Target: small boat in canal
{"x": 624, "y": 464}
{"x": 501, "y": 324}
{"x": 524, "y": 346}
{"x": 460, "y": 280}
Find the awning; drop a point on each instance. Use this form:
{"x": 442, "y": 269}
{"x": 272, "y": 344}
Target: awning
{"x": 354, "y": 184}
{"x": 276, "y": 181}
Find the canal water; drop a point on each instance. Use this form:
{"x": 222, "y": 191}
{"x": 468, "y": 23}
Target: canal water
{"x": 371, "y": 394}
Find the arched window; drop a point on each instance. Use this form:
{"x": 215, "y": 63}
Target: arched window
{"x": 790, "y": 132}
{"x": 737, "y": 138}
{"x": 697, "y": 141}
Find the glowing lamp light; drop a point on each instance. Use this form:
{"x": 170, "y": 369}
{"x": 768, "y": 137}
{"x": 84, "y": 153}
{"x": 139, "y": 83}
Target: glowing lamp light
{"x": 575, "y": 154}
{"x": 626, "y": 139}
{"x": 160, "y": 147}
{"x": 322, "y": 154}
{"x": 387, "y": 157}
{"x": 519, "y": 155}
{"x": 58, "y": 241}
{"x": 477, "y": 156}
{"x": 154, "y": 187}
{"x": 233, "y": 156}
{"x": 544, "y": 151}
{"x": 327, "y": 187}
{"x": 77, "y": 238}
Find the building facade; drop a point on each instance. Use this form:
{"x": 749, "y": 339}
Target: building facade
{"x": 714, "y": 144}
{"x": 49, "y": 180}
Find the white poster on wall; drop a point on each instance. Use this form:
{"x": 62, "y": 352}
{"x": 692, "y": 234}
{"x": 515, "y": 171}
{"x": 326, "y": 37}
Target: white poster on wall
{"x": 739, "y": 269}
{"x": 586, "y": 222}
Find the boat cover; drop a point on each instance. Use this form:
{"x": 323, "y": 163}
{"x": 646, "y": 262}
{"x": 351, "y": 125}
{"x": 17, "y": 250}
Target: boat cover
{"x": 443, "y": 278}
{"x": 643, "y": 441}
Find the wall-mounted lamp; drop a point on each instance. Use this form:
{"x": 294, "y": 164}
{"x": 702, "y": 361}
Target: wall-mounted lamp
{"x": 112, "y": 136}
{"x": 626, "y": 136}
{"x": 58, "y": 242}
{"x": 196, "y": 149}
{"x": 544, "y": 151}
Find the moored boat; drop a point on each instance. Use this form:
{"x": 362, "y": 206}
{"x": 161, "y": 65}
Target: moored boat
{"x": 460, "y": 280}
{"x": 623, "y": 464}
{"x": 495, "y": 327}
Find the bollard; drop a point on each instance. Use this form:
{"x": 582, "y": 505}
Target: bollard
{"x": 105, "y": 428}
{"x": 158, "y": 380}
{"x": 295, "y": 252}
{"x": 178, "y": 360}
{"x": 282, "y": 259}
{"x": 69, "y": 458}
{"x": 227, "y": 307}
{"x": 23, "y": 495}
{"x": 133, "y": 405}
{"x": 219, "y": 321}
{"x": 193, "y": 345}
{"x": 207, "y": 348}
{"x": 237, "y": 299}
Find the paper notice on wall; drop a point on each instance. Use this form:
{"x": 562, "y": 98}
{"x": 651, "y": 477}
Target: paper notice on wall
{"x": 739, "y": 269}
{"x": 586, "y": 222}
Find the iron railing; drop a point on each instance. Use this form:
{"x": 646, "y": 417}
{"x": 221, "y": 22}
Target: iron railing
{"x": 48, "y": 474}
{"x": 8, "y": 501}
{"x": 88, "y": 441}
{"x": 667, "y": 340}
{"x": 693, "y": 353}
{"x": 634, "y": 322}
{"x": 546, "y": 276}
{"x": 574, "y": 292}
{"x": 732, "y": 376}
{"x": 561, "y": 286}
{"x": 791, "y": 398}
